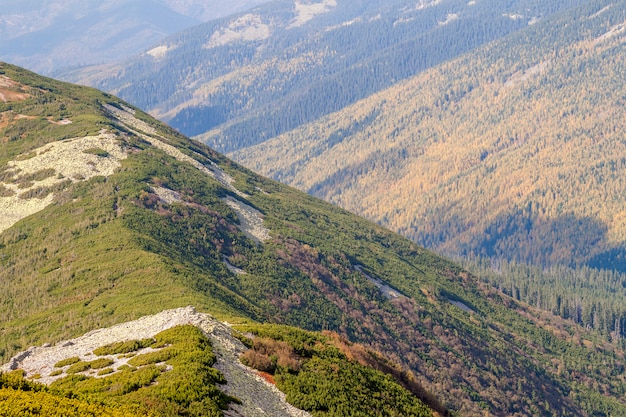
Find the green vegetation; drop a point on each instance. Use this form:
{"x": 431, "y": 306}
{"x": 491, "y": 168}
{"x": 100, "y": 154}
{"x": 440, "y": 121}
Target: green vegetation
{"x": 22, "y": 398}
{"x": 507, "y": 156}
{"x": 592, "y": 298}
{"x": 97, "y": 151}
{"x": 110, "y": 250}
{"x": 123, "y": 347}
{"x": 159, "y": 356}
{"x": 68, "y": 361}
{"x": 80, "y": 366}
{"x": 105, "y": 371}
{"x": 516, "y": 163}
{"x": 306, "y": 74}
{"x": 188, "y": 388}
{"x": 317, "y": 376}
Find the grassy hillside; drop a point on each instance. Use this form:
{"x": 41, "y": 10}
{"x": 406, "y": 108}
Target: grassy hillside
{"x": 178, "y": 224}
{"x": 514, "y": 151}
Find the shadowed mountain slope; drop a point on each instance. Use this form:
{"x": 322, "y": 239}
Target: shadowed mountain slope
{"x": 239, "y": 81}
{"x": 52, "y": 36}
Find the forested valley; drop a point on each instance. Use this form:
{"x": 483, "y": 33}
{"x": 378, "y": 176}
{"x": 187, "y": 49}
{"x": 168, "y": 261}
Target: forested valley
{"x": 508, "y": 152}
{"x": 239, "y": 81}
{"x": 507, "y": 156}
{"x": 509, "y": 159}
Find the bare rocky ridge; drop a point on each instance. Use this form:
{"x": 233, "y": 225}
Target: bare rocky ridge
{"x": 65, "y": 161}
{"x": 82, "y": 158}
{"x": 126, "y": 116}
{"x": 258, "y": 397}
{"x": 251, "y": 220}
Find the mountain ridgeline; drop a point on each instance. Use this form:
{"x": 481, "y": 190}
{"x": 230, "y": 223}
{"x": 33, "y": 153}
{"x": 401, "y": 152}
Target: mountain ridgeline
{"x": 482, "y": 130}
{"x": 109, "y": 215}
{"x": 512, "y": 152}
{"x": 239, "y": 81}
{"x": 54, "y": 36}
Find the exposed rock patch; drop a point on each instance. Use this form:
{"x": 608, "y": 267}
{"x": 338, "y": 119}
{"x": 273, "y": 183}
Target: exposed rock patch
{"x": 250, "y": 220}
{"x": 259, "y": 397}
{"x": 245, "y": 28}
{"x": 10, "y": 90}
{"x": 462, "y": 306}
{"x": 389, "y": 292}
{"x": 167, "y": 195}
{"x": 126, "y": 116}
{"x": 611, "y": 33}
{"x": 308, "y": 10}
{"x": 66, "y": 161}
{"x": 232, "y": 268}
{"x": 522, "y": 76}
{"x": 158, "y": 52}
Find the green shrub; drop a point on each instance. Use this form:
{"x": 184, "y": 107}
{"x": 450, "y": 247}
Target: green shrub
{"x": 101, "y": 363}
{"x": 105, "y": 371}
{"x": 151, "y": 357}
{"x": 97, "y": 151}
{"x": 123, "y": 347}
{"x": 78, "y": 367}
{"x": 187, "y": 388}
{"x": 68, "y": 361}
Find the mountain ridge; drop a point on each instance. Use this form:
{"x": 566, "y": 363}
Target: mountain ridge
{"x": 254, "y": 392}
{"x": 56, "y": 36}
{"x": 284, "y": 76}
{"x": 160, "y": 233}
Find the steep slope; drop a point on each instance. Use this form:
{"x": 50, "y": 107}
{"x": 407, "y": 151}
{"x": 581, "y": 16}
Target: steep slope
{"x": 175, "y": 224}
{"x": 53, "y": 36}
{"x": 238, "y": 81}
{"x": 515, "y": 151}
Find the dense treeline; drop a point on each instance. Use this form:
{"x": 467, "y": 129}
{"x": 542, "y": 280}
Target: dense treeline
{"x": 589, "y": 297}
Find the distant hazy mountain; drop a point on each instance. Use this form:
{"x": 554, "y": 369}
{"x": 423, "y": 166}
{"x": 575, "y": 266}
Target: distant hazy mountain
{"x": 238, "y": 81}
{"x": 53, "y": 35}
{"x": 107, "y": 215}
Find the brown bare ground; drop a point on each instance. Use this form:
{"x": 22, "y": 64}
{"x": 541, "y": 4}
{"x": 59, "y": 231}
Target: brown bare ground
{"x": 11, "y": 91}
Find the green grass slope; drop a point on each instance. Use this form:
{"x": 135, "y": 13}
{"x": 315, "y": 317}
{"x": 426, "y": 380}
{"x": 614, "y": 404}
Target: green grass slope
{"x": 115, "y": 247}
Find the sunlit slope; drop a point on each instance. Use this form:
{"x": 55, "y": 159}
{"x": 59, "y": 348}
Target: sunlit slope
{"x": 514, "y": 151}
{"x": 240, "y": 80}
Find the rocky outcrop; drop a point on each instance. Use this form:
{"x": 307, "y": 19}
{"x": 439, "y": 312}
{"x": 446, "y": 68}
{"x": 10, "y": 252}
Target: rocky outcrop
{"x": 258, "y": 397}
